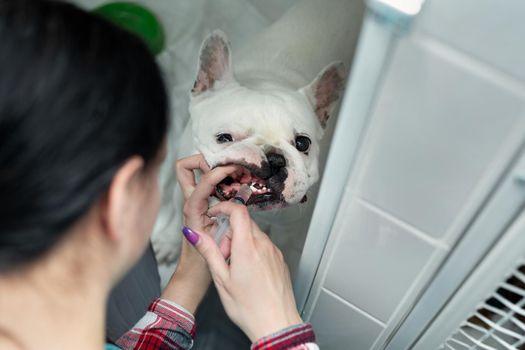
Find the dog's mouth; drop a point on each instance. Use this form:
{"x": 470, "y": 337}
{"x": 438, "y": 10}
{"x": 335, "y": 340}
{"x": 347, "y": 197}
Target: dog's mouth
{"x": 267, "y": 192}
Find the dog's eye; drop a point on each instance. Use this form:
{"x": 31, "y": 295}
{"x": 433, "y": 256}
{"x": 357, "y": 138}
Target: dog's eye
{"x": 223, "y": 138}
{"x": 302, "y": 143}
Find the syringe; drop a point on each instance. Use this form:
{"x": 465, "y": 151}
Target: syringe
{"x": 223, "y": 222}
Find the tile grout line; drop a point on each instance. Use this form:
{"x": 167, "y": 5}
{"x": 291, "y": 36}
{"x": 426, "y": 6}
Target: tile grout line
{"x": 471, "y": 63}
{"x": 353, "y": 307}
{"x": 409, "y": 228}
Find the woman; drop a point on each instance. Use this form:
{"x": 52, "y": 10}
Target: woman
{"x": 83, "y": 116}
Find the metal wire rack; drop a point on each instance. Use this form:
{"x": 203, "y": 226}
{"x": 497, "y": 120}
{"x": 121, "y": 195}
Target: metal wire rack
{"x": 499, "y": 323}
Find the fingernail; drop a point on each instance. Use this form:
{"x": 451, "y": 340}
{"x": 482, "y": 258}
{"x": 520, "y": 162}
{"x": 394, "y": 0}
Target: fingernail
{"x": 191, "y": 236}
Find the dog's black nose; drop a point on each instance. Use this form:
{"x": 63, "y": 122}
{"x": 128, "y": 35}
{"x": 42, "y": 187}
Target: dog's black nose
{"x": 277, "y": 161}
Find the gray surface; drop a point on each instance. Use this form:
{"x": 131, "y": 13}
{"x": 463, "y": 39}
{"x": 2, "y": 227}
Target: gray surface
{"x": 373, "y": 256}
{"x": 130, "y": 299}
{"x": 215, "y": 330}
{"x": 340, "y": 326}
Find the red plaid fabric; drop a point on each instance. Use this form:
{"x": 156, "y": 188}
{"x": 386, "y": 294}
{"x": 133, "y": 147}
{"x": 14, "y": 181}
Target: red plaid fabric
{"x": 166, "y": 325}
{"x": 300, "y": 337}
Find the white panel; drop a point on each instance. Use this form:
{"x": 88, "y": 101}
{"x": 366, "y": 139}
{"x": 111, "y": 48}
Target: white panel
{"x": 495, "y": 217}
{"x": 492, "y": 30}
{"x": 339, "y": 326}
{"x": 375, "y": 261}
{"x": 437, "y": 129}
{"x": 372, "y": 53}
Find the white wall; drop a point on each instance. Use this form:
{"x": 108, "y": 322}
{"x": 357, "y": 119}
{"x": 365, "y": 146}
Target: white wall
{"x": 447, "y": 120}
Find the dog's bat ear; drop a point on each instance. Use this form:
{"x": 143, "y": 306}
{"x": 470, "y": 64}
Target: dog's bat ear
{"x": 325, "y": 90}
{"x": 214, "y": 62}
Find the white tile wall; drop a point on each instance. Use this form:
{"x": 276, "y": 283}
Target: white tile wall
{"x": 342, "y": 327}
{"x": 440, "y": 134}
{"x": 439, "y": 127}
{"x": 375, "y": 261}
{"x": 491, "y": 30}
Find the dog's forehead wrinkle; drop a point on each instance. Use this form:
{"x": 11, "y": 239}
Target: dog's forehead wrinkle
{"x": 276, "y": 139}
{"x": 258, "y": 112}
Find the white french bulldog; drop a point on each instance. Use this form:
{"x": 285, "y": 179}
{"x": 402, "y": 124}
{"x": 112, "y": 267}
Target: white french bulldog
{"x": 267, "y": 109}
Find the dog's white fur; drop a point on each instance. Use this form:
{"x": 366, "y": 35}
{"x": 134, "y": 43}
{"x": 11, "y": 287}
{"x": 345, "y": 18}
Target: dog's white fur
{"x": 285, "y": 83}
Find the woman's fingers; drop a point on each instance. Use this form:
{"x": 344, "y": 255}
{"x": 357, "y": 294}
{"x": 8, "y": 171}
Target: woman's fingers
{"x": 209, "y": 250}
{"x": 225, "y": 246}
{"x": 211, "y": 179}
{"x": 241, "y": 225}
{"x": 237, "y": 213}
{"x": 185, "y": 168}
{"x": 206, "y": 187}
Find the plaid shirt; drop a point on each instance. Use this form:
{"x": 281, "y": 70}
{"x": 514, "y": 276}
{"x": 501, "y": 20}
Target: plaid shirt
{"x": 166, "y": 325}
{"x": 299, "y": 337}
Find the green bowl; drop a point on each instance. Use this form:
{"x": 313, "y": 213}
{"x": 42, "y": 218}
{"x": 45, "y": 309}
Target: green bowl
{"x": 137, "y": 19}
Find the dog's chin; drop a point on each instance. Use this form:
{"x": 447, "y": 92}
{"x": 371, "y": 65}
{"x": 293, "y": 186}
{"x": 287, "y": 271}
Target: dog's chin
{"x": 266, "y": 190}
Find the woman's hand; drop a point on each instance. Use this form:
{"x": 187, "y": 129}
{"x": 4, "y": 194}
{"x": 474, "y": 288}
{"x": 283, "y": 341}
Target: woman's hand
{"x": 255, "y": 287}
{"x": 191, "y": 278}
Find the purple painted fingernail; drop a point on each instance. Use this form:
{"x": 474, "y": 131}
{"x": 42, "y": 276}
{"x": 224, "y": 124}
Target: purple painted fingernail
{"x": 191, "y": 236}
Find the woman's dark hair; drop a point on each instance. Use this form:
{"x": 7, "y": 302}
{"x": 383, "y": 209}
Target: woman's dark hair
{"x": 78, "y": 97}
